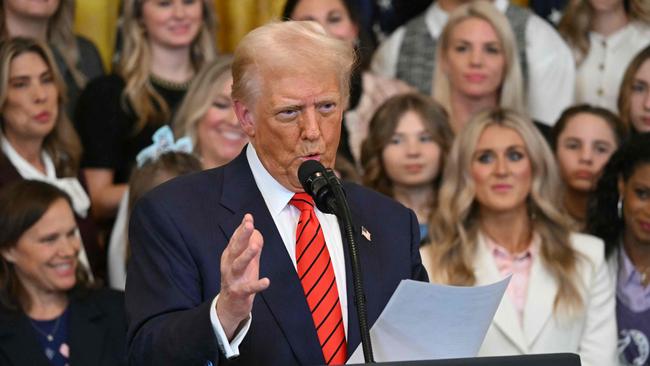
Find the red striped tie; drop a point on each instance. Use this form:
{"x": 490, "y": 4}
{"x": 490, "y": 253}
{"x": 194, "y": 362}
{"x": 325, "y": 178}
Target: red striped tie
{"x": 318, "y": 281}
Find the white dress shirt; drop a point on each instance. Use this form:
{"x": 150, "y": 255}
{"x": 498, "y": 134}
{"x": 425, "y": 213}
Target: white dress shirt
{"x": 601, "y": 72}
{"x": 551, "y": 69}
{"x": 277, "y": 197}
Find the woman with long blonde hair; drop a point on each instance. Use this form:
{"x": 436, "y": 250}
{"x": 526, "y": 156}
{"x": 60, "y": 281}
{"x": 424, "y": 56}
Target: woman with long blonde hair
{"x": 207, "y": 116}
{"x": 165, "y": 44}
{"x": 499, "y": 213}
{"x": 477, "y": 64}
{"x": 52, "y": 22}
{"x": 604, "y": 36}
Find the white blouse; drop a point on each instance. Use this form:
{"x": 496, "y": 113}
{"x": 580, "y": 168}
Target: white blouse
{"x": 601, "y": 73}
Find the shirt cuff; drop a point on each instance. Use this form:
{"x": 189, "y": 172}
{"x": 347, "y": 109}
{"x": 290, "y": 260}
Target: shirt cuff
{"x": 229, "y": 349}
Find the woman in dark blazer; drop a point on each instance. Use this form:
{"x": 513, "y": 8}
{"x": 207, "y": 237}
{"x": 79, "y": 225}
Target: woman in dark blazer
{"x": 48, "y": 315}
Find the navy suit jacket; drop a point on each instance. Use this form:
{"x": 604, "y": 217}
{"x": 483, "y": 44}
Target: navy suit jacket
{"x": 178, "y": 232}
{"x": 96, "y": 332}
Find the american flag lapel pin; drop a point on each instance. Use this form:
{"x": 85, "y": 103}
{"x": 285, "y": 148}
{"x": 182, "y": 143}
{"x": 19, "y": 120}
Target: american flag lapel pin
{"x": 365, "y": 233}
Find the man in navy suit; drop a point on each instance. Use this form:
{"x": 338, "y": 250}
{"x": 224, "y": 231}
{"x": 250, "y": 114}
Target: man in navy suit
{"x": 213, "y": 276}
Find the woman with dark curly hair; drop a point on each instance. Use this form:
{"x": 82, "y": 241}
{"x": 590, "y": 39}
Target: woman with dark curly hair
{"x": 404, "y": 153}
{"x": 619, "y": 213}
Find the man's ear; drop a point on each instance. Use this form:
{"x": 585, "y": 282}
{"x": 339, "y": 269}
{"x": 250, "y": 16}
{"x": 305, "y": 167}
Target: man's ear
{"x": 245, "y": 117}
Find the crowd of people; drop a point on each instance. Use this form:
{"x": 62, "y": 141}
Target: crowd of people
{"x": 519, "y": 146}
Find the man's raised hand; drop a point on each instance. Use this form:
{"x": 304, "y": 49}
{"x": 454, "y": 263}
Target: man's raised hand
{"x": 240, "y": 264}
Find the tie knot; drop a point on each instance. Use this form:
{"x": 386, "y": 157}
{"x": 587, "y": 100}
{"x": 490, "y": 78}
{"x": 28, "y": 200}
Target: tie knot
{"x": 302, "y": 201}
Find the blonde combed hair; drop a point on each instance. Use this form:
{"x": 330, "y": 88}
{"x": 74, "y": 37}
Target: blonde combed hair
{"x": 200, "y": 97}
{"x": 455, "y": 226}
{"x": 62, "y": 143}
{"x": 134, "y": 65}
{"x": 511, "y": 95}
{"x": 60, "y": 35}
{"x": 303, "y": 46}
{"x": 576, "y": 23}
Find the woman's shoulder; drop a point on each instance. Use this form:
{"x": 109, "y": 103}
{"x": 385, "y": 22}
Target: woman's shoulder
{"x": 588, "y": 246}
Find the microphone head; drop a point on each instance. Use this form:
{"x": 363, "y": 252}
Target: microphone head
{"x": 306, "y": 170}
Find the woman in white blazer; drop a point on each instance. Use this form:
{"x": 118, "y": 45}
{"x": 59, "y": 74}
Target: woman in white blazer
{"x": 500, "y": 212}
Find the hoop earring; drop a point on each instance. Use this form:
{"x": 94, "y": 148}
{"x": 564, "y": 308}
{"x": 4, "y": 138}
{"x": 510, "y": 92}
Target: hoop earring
{"x": 619, "y": 207}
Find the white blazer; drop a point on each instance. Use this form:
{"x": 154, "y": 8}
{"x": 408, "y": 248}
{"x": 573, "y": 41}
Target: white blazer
{"x": 591, "y": 334}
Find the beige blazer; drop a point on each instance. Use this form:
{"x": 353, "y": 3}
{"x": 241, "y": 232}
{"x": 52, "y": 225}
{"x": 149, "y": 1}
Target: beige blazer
{"x": 591, "y": 334}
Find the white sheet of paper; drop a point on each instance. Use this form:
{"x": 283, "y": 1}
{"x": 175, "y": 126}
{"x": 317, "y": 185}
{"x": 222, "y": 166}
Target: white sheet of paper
{"x": 424, "y": 321}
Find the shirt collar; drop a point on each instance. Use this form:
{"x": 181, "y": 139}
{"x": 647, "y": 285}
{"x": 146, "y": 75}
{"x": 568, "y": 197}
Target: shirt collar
{"x": 498, "y": 250}
{"x": 626, "y": 270}
{"x": 275, "y": 195}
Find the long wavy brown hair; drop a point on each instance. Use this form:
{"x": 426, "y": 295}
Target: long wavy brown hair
{"x": 62, "y": 143}
{"x": 455, "y": 226}
{"x": 382, "y": 127}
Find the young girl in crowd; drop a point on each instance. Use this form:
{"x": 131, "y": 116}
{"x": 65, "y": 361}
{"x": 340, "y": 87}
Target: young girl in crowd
{"x": 500, "y": 212}
{"x": 158, "y": 163}
{"x": 634, "y": 96}
{"x": 48, "y": 313}
{"x": 583, "y": 139}
{"x": 619, "y": 213}
{"x": 52, "y": 22}
{"x": 37, "y": 139}
{"x": 405, "y": 151}
{"x": 208, "y": 118}
{"x": 165, "y": 44}
{"x": 604, "y": 36}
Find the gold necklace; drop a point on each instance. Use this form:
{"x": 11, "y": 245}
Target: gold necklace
{"x": 172, "y": 85}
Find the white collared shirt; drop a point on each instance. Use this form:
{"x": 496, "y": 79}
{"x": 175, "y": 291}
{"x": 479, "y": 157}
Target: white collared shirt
{"x": 551, "y": 68}
{"x": 601, "y": 72}
{"x": 285, "y": 216}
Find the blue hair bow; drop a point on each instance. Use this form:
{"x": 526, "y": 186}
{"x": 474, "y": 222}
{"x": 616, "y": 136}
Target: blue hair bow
{"x": 163, "y": 141}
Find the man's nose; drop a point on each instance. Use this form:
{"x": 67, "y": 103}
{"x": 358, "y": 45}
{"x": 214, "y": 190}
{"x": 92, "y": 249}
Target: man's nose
{"x": 310, "y": 124}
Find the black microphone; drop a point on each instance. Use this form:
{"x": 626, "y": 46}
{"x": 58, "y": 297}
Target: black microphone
{"x": 315, "y": 182}
{"x": 328, "y": 194}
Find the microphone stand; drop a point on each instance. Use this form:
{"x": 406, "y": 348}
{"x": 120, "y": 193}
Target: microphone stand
{"x": 342, "y": 211}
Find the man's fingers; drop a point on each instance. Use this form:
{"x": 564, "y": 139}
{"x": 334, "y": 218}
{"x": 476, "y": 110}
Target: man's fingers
{"x": 241, "y": 236}
{"x": 250, "y": 253}
{"x": 259, "y": 285}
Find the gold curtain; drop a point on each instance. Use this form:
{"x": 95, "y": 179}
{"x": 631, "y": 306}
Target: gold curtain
{"x": 96, "y": 20}
{"x": 238, "y": 17}
{"x": 520, "y": 2}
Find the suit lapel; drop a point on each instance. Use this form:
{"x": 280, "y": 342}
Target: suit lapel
{"x": 19, "y": 341}
{"x": 542, "y": 289}
{"x": 240, "y": 196}
{"x": 369, "y": 271}
{"x": 86, "y": 333}
{"x": 506, "y": 317}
